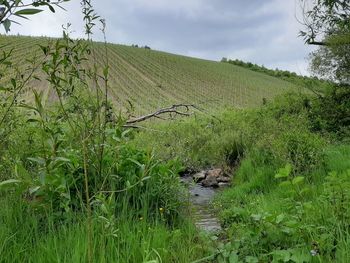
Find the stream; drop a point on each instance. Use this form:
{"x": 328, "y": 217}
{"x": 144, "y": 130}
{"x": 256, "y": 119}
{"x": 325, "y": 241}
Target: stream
{"x": 200, "y": 198}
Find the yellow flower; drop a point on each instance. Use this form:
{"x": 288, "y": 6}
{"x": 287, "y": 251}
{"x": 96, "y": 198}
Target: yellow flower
{"x": 161, "y": 209}
{"x": 141, "y": 218}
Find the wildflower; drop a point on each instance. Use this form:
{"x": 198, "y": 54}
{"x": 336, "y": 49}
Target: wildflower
{"x": 141, "y": 218}
{"x": 161, "y": 209}
{"x": 313, "y": 252}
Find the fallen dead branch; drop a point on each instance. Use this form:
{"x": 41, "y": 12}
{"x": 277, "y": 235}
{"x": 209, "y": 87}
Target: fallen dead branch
{"x": 168, "y": 113}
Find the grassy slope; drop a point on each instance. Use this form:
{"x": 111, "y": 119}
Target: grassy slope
{"x": 152, "y": 79}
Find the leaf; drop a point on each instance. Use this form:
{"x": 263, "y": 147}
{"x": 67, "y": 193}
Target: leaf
{"x": 298, "y": 180}
{"x": 281, "y": 255}
{"x": 39, "y": 160}
{"x": 51, "y": 8}
{"x": 280, "y": 218}
{"x": 63, "y": 159}
{"x": 233, "y": 258}
{"x": 13, "y": 82}
{"x": 7, "y": 25}
{"x": 285, "y": 184}
{"x": 32, "y": 190}
{"x": 105, "y": 72}
{"x": 33, "y": 120}
{"x": 256, "y": 217}
{"x": 45, "y": 49}
{"x": 145, "y": 178}
{"x": 284, "y": 172}
{"x": 250, "y": 259}
{"x": 9, "y": 182}
{"x": 28, "y": 11}
{"x": 136, "y": 162}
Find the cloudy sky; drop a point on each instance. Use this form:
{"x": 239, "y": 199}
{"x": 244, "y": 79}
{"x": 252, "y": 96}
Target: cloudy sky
{"x": 260, "y": 31}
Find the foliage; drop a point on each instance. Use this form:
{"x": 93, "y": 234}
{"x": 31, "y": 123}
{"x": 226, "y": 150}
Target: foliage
{"x": 331, "y": 112}
{"x": 280, "y": 130}
{"x": 294, "y": 220}
{"x": 67, "y": 166}
{"x": 23, "y": 9}
{"x": 25, "y": 237}
{"x": 76, "y": 185}
{"x": 289, "y": 199}
{"x": 332, "y": 61}
{"x": 312, "y": 83}
{"x": 327, "y": 25}
{"x": 323, "y": 17}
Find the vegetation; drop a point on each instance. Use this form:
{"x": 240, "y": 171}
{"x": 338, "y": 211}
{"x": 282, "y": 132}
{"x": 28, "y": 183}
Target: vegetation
{"x": 14, "y": 9}
{"x": 312, "y": 83}
{"x": 77, "y": 184}
{"x": 327, "y": 25}
{"x": 71, "y": 188}
{"x": 289, "y": 198}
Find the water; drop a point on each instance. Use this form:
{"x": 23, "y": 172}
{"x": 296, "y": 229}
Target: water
{"x": 200, "y": 198}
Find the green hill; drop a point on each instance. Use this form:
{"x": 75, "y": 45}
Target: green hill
{"x": 152, "y": 79}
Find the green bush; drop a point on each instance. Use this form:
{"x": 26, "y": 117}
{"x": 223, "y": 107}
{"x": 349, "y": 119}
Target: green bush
{"x": 330, "y": 113}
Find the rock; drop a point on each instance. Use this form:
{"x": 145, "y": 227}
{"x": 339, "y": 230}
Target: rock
{"x": 210, "y": 181}
{"x": 220, "y": 184}
{"x": 214, "y": 173}
{"x": 211, "y": 178}
{"x": 186, "y": 172}
{"x": 198, "y": 177}
{"x": 223, "y": 179}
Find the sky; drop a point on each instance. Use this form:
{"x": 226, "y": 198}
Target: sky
{"x": 264, "y": 32}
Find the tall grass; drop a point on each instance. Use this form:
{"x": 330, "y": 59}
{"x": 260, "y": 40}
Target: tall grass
{"x": 127, "y": 238}
{"x": 290, "y": 194}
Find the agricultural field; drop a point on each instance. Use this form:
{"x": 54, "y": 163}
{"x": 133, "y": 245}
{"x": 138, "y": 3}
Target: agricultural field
{"x": 151, "y": 79}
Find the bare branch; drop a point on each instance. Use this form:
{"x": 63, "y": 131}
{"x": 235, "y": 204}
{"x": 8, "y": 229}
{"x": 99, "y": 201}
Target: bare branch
{"x": 173, "y": 111}
{"x": 316, "y": 43}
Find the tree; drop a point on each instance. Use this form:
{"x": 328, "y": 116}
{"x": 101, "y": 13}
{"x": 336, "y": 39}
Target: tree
{"x": 327, "y": 24}
{"x": 323, "y": 18}
{"x": 332, "y": 61}
{"x": 22, "y": 9}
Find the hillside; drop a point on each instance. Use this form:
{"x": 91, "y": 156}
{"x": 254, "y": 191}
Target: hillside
{"x": 151, "y": 79}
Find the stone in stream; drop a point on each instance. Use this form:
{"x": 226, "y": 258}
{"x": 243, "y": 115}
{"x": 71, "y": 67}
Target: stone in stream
{"x": 211, "y": 178}
{"x": 223, "y": 179}
{"x": 215, "y": 178}
{"x": 198, "y": 177}
{"x": 210, "y": 181}
{"x": 215, "y": 173}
